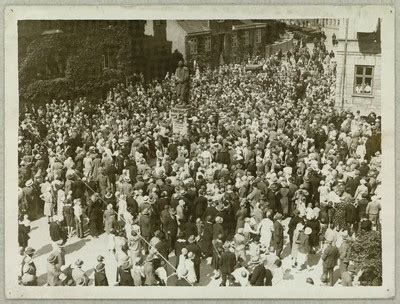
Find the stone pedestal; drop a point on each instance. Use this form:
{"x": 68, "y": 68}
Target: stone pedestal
{"x": 179, "y": 115}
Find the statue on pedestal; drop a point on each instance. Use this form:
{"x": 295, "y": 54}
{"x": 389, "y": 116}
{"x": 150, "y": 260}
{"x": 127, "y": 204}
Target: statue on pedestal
{"x": 182, "y": 85}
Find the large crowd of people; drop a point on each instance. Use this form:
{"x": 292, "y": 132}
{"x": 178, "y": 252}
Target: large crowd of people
{"x": 267, "y": 163}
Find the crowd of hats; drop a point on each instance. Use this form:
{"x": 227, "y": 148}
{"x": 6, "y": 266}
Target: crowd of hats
{"x": 276, "y": 128}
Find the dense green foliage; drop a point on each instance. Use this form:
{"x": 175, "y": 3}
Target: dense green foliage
{"x": 64, "y": 65}
{"x": 366, "y": 253}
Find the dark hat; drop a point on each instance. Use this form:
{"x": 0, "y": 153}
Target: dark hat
{"x": 29, "y": 250}
{"x": 81, "y": 281}
{"x": 52, "y": 258}
{"x": 108, "y": 195}
{"x": 79, "y": 262}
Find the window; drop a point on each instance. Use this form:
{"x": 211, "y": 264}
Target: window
{"x": 363, "y": 79}
{"x": 258, "y": 35}
{"x": 193, "y": 46}
{"x": 207, "y": 44}
{"x": 106, "y": 61}
{"x": 234, "y": 39}
{"x": 246, "y": 38}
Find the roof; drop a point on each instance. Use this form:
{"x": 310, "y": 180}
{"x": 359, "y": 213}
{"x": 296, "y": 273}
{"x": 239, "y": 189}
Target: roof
{"x": 194, "y": 26}
{"x": 368, "y": 43}
{"x": 246, "y": 24}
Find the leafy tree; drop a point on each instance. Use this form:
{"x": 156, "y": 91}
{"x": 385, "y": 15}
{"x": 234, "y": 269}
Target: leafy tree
{"x": 366, "y": 253}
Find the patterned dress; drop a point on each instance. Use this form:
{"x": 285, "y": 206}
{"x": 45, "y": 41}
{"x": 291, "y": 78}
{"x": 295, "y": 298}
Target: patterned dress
{"x": 339, "y": 218}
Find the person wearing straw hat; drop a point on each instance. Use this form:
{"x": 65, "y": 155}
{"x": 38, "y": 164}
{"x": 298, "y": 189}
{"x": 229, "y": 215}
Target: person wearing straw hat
{"x": 240, "y": 245}
{"x": 28, "y": 259}
{"x": 53, "y": 270}
{"x": 258, "y": 275}
{"x": 329, "y": 257}
{"x": 109, "y": 218}
{"x": 78, "y": 217}
{"x": 344, "y": 252}
{"x": 278, "y": 234}
{"x": 146, "y": 227}
{"x": 304, "y": 249}
{"x": 227, "y": 264}
{"x": 78, "y": 272}
{"x": 193, "y": 247}
{"x": 28, "y": 199}
{"x": 29, "y": 275}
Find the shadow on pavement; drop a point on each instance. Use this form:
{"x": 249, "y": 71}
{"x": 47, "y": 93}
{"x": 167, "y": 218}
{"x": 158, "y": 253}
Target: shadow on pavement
{"x": 43, "y": 250}
{"x": 75, "y": 246}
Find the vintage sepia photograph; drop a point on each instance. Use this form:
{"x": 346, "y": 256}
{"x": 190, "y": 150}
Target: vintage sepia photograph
{"x": 214, "y": 153}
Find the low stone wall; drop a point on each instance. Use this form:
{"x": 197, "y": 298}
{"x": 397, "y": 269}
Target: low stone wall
{"x": 284, "y": 45}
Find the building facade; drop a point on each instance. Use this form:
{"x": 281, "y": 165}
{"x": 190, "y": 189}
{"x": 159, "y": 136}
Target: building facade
{"x": 320, "y": 22}
{"x": 210, "y": 43}
{"x": 358, "y": 81}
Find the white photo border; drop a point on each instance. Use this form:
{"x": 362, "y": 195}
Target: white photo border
{"x": 15, "y": 13}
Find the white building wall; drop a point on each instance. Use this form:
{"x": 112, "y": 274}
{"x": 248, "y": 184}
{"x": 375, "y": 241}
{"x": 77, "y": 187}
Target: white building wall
{"x": 177, "y": 35}
{"x": 365, "y": 104}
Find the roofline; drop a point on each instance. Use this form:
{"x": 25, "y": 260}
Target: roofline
{"x": 248, "y": 26}
{"x": 198, "y": 33}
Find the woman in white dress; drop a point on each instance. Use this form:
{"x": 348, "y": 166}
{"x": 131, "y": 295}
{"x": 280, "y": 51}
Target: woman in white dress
{"x": 60, "y": 199}
{"x": 87, "y": 164}
{"x": 122, "y": 206}
{"x": 265, "y": 229}
{"x": 48, "y": 205}
{"x": 295, "y": 245}
{"x": 182, "y": 261}
{"x": 191, "y": 276}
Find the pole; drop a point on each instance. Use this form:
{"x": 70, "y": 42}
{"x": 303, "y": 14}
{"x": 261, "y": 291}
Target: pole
{"x": 344, "y": 61}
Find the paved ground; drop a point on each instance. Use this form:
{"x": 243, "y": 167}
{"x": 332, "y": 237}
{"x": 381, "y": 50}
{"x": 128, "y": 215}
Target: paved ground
{"x": 88, "y": 249}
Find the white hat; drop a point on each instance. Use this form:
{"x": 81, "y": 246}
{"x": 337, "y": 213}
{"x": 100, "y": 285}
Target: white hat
{"x": 308, "y": 230}
{"x": 29, "y": 183}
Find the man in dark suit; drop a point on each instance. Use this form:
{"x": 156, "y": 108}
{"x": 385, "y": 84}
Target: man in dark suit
{"x": 278, "y": 235}
{"x": 329, "y": 258}
{"x": 200, "y": 204}
{"x": 146, "y": 227}
{"x": 56, "y": 231}
{"x": 95, "y": 214}
{"x": 195, "y": 248}
{"x": 227, "y": 264}
{"x": 257, "y": 277}
{"x": 169, "y": 224}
